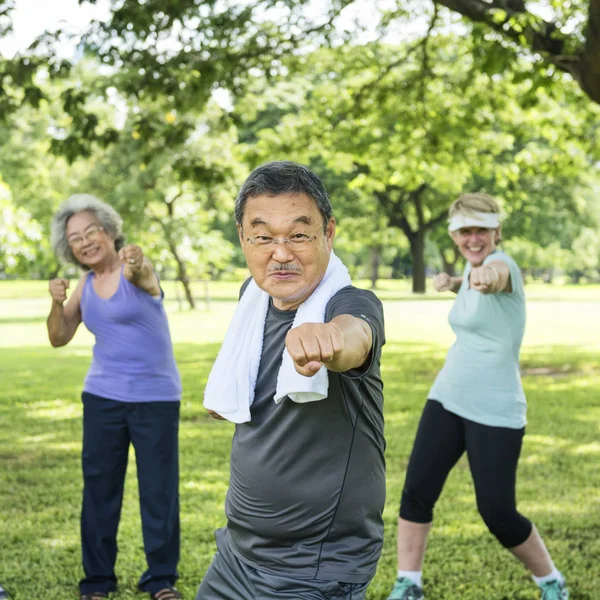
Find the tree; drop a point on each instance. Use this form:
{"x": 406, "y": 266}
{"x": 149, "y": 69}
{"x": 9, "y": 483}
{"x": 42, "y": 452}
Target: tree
{"x": 185, "y": 50}
{"x": 411, "y": 141}
{"x": 570, "y": 42}
{"x": 174, "y": 198}
{"x": 584, "y": 259}
{"x": 21, "y": 240}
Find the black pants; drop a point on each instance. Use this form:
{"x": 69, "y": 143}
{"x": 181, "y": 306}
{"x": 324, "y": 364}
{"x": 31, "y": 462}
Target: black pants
{"x": 108, "y": 429}
{"x": 493, "y": 454}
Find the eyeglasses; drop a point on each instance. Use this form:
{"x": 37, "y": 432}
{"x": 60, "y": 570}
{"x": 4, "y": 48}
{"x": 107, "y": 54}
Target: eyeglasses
{"x": 91, "y": 234}
{"x": 297, "y": 242}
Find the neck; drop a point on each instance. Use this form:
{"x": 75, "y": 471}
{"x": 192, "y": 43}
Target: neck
{"x": 108, "y": 266}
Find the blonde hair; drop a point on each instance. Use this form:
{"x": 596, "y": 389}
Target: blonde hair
{"x": 469, "y": 204}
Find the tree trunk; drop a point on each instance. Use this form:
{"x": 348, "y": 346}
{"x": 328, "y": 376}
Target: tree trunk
{"x": 185, "y": 281}
{"x": 417, "y": 250}
{"x": 181, "y": 270}
{"x": 182, "y": 274}
{"x": 375, "y": 262}
{"x": 449, "y": 260}
{"x": 397, "y": 272}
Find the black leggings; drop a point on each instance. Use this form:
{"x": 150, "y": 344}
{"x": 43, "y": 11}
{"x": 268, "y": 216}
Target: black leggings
{"x": 493, "y": 454}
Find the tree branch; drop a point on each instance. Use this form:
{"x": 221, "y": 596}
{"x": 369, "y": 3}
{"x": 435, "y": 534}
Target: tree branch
{"x": 433, "y": 222}
{"x": 542, "y": 36}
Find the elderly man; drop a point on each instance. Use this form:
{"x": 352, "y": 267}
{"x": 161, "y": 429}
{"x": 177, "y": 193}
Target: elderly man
{"x": 299, "y": 374}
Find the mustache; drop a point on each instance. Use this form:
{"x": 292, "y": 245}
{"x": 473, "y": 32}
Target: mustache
{"x": 284, "y": 267}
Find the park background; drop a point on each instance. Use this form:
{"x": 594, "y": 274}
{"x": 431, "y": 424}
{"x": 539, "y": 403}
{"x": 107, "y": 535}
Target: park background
{"x": 163, "y": 107}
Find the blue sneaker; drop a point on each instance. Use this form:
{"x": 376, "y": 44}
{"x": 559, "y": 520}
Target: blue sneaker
{"x": 554, "y": 590}
{"x": 405, "y": 589}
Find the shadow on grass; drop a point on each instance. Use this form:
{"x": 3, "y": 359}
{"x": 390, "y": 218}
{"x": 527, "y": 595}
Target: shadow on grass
{"x": 40, "y": 477}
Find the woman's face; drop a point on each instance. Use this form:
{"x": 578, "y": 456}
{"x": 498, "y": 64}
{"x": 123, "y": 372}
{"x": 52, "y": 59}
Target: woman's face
{"x": 90, "y": 244}
{"x": 476, "y": 243}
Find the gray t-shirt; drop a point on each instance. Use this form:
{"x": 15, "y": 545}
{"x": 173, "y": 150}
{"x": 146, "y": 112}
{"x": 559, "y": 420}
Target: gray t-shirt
{"x": 307, "y": 484}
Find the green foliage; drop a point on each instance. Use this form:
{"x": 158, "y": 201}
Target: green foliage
{"x": 23, "y": 249}
{"x": 396, "y": 131}
{"x": 403, "y": 139}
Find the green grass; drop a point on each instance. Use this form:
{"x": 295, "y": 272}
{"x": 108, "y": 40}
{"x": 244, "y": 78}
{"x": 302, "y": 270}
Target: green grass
{"x": 559, "y": 476}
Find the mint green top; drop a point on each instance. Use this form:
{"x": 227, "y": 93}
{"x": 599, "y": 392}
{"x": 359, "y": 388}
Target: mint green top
{"x": 481, "y": 378}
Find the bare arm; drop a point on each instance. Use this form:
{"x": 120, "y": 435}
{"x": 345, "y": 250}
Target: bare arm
{"x": 341, "y": 345}
{"x": 64, "y": 319}
{"x": 442, "y": 282}
{"x": 139, "y": 270}
{"x": 491, "y": 278}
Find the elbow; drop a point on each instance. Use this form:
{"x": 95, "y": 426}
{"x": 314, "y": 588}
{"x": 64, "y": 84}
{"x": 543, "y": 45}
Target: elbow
{"x": 57, "y": 341}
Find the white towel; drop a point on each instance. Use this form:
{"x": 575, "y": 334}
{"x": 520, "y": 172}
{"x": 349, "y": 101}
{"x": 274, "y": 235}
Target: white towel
{"x": 230, "y": 387}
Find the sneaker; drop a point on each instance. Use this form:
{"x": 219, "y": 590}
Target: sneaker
{"x": 405, "y": 589}
{"x": 554, "y": 590}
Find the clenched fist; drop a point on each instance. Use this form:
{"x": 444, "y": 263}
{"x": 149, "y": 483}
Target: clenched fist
{"x": 58, "y": 290}
{"x": 313, "y": 344}
{"x": 133, "y": 258}
{"x": 484, "y": 278}
{"x": 442, "y": 282}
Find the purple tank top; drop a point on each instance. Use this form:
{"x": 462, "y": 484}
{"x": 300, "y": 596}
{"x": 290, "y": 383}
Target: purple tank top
{"x": 133, "y": 355}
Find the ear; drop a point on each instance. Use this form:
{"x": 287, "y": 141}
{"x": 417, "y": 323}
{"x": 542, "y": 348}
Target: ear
{"x": 330, "y": 232}
{"x": 240, "y": 234}
{"x": 453, "y": 235}
{"x": 498, "y": 235}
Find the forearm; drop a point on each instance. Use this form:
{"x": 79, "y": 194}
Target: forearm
{"x": 500, "y": 278}
{"x": 145, "y": 279}
{"x": 456, "y": 283}
{"x": 358, "y": 340}
{"x": 60, "y": 331}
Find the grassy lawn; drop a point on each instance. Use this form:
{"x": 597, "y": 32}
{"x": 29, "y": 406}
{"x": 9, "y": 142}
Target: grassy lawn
{"x": 559, "y": 476}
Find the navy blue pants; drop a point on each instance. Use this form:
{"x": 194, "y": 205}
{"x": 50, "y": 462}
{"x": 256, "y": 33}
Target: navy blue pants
{"x": 108, "y": 428}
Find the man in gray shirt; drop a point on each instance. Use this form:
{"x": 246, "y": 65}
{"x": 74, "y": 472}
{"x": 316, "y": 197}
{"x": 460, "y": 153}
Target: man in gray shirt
{"x": 307, "y": 484}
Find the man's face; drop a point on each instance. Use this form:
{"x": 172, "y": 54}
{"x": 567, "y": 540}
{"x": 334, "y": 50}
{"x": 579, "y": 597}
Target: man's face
{"x": 289, "y": 271}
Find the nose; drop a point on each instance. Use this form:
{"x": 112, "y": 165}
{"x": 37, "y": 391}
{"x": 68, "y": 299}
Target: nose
{"x": 475, "y": 236}
{"x": 282, "y": 253}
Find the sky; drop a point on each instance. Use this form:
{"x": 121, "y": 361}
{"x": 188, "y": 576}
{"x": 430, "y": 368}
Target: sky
{"x": 32, "y": 17}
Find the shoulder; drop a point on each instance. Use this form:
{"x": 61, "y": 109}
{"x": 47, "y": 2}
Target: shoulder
{"x": 502, "y": 257}
{"x": 244, "y": 287}
{"x": 87, "y": 276}
{"x": 354, "y": 301}
{"x": 516, "y": 277}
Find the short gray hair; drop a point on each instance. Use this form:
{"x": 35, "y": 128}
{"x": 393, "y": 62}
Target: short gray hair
{"x": 77, "y": 203}
{"x": 283, "y": 177}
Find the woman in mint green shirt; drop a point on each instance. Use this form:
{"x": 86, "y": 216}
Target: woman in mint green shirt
{"x": 476, "y": 405}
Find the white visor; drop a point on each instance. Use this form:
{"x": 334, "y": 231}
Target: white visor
{"x": 477, "y": 219}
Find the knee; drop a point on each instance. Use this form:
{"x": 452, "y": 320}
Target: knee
{"x": 415, "y": 507}
{"x": 506, "y": 524}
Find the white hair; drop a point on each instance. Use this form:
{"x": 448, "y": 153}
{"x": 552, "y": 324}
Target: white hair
{"x": 77, "y": 203}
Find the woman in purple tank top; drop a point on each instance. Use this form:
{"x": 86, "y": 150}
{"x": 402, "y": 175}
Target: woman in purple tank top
{"x": 131, "y": 393}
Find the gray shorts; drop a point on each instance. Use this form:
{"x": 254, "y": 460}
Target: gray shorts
{"x": 228, "y": 578}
